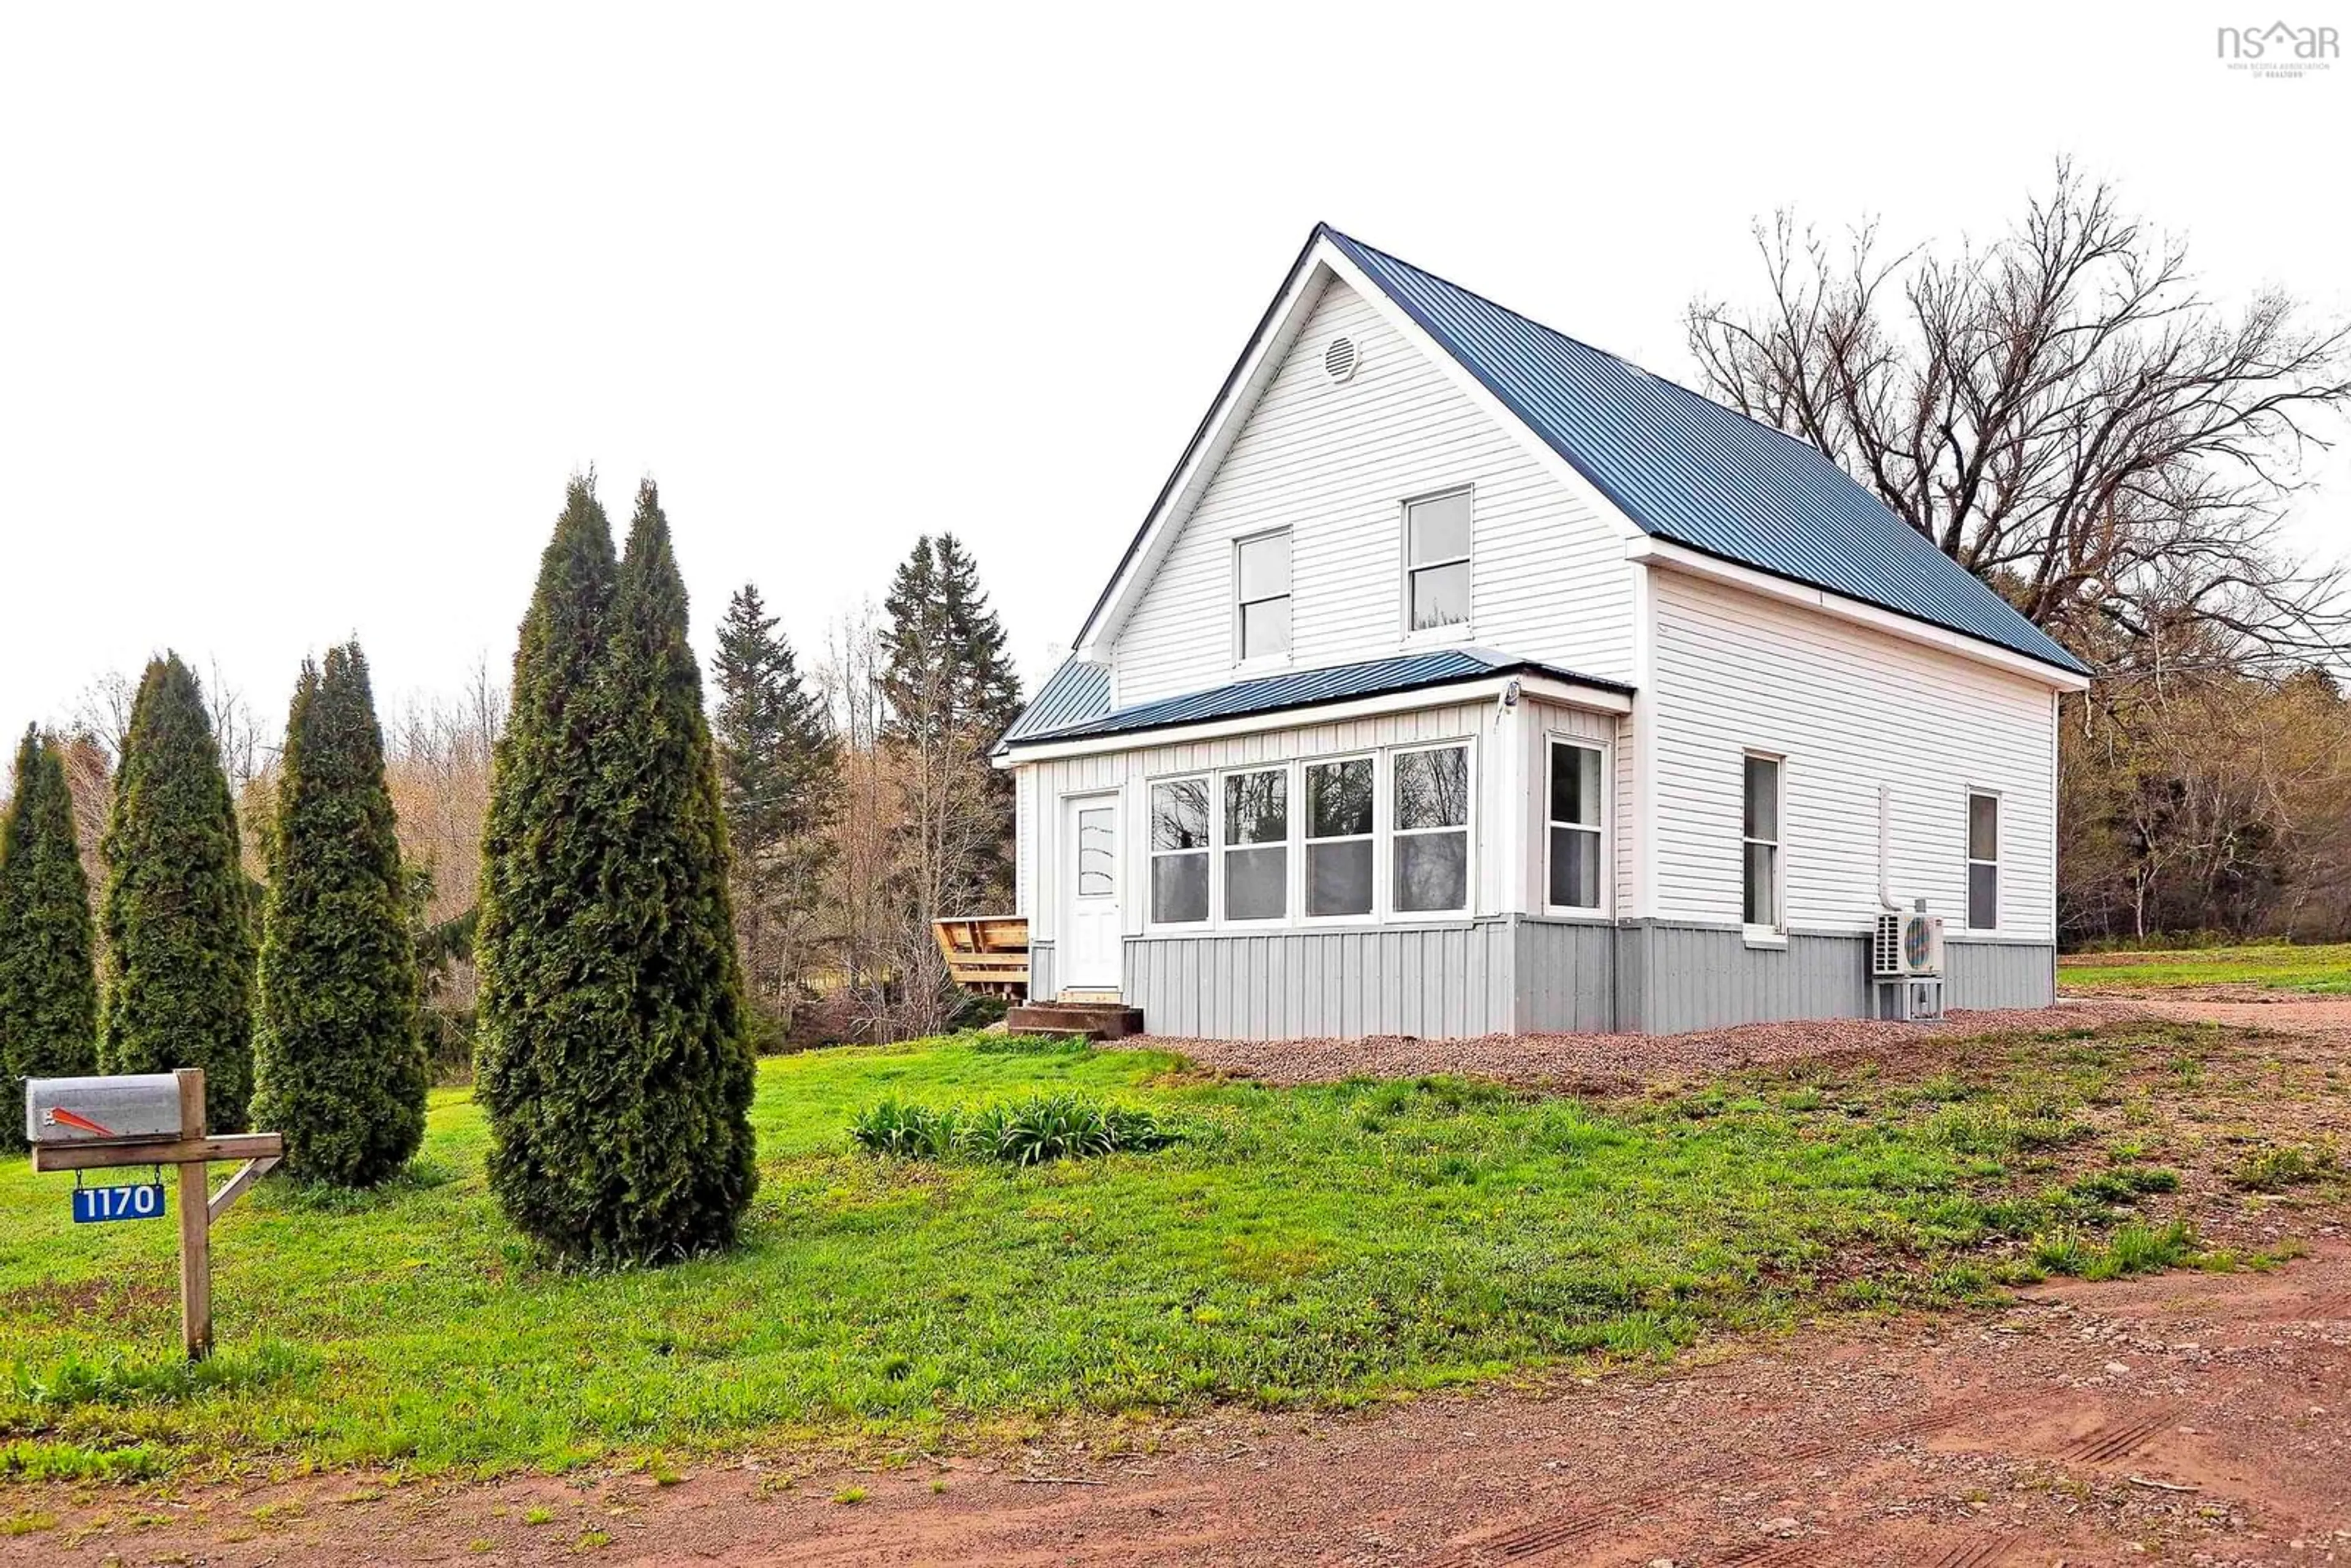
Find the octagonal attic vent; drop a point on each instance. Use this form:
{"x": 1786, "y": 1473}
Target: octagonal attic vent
{"x": 1341, "y": 360}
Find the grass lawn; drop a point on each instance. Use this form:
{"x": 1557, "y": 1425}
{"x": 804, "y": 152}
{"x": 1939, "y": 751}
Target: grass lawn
{"x": 2324, "y": 971}
{"x": 1323, "y": 1244}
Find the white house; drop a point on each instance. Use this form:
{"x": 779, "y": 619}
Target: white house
{"x": 1465, "y": 678}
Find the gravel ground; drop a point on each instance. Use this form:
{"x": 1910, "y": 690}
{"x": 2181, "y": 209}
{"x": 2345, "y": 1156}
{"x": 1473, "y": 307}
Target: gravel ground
{"x": 1602, "y": 1062}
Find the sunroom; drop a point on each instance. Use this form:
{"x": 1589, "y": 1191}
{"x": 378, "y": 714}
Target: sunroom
{"x": 1422, "y": 844}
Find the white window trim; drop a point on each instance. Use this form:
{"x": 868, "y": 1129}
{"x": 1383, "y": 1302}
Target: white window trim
{"x": 1776, "y": 934}
{"x": 1452, "y": 631}
{"x": 1469, "y": 828}
{"x": 1153, "y": 853}
{"x": 1968, "y": 860}
{"x": 1606, "y": 831}
{"x": 1288, "y": 846}
{"x": 1242, "y": 658}
{"x": 1376, "y": 837}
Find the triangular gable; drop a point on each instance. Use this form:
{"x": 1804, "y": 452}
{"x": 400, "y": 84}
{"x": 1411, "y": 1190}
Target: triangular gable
{"x": 1654, "y": 458}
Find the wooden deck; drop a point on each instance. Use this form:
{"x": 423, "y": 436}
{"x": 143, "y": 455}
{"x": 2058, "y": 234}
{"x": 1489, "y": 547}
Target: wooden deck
{"x": 987, "y": 952}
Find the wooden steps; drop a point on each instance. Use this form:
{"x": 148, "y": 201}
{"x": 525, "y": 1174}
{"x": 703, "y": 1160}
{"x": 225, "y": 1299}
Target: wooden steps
{"x": 1078, "y": 1021}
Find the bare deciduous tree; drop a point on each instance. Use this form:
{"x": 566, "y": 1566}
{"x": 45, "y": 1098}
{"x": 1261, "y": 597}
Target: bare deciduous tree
{"x": 2063, "y": 412}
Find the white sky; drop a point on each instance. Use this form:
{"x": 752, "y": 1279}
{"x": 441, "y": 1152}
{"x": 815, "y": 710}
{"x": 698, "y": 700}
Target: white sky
{"x": 306, "y": 315}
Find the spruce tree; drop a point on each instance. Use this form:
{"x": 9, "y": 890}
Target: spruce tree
{"x": 779, "y": 780}
{"x": 613, "y": 1059}
{"x": 952, "y": 694}
{"x": 339, "y": 1061}
{"x": 179, "y": 983}
{"x": 48, "y": 990}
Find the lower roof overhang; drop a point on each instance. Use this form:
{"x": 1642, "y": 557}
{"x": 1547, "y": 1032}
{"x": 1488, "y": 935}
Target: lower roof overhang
{"x": 1523, "y": 679}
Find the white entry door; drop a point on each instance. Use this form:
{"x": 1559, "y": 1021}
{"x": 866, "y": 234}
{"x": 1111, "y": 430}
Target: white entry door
{"x": 1089, "y": 894}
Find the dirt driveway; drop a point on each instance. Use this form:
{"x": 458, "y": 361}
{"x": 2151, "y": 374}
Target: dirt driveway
{"x": 2192, "y": 1418}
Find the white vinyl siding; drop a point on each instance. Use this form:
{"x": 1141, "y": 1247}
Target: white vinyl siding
{"x": 1849, "y": 709}
{"x": 1335, "y": 465}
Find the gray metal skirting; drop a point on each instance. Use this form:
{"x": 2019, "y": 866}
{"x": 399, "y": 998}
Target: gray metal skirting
{"x": 1518, "y": 974}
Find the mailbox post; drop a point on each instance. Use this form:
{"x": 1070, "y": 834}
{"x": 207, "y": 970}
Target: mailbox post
{"x": 156, "y": 1119}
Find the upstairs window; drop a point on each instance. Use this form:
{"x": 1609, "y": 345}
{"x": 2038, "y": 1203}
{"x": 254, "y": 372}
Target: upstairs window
{"x": 1179, "y": 851}
{"x": 1983, "y": 862}
{"x": 1574, "y": 823}
{"x": 1430, "y": 810}
{"x": 1760, "y": 843}
{"x": 1436, "y": 561}
{"x": 1261, "y": 596}
{"x": 1257, "y": 844}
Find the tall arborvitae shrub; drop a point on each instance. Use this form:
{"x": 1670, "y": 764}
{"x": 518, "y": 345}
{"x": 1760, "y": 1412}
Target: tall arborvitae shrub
{"x": 178, "y": 982}
{"x": 612, "y": 1058}
{"x": 686, "y": 1152}
{"x": 339, "y": 1062}
{"x": 48, "y": 991}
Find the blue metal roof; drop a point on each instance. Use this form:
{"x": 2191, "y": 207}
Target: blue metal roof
{"x": 1075, "y": 693}
{"x": 1690, "y": 470}
{"x": 1304, "y": 688}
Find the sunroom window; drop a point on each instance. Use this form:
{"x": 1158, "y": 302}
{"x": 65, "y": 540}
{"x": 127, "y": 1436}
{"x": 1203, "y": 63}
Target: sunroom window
{"x": 1338, "y": 849}
{"x": 1179, "y": 851}
{"x": 1430, "y": 810}
{"x": 1574, "y": 826}
{"x": 1257, "y": 844}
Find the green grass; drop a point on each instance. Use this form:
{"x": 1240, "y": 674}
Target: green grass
{"x": 2324, "y": 971}
{"x": 1324, "y": 1245}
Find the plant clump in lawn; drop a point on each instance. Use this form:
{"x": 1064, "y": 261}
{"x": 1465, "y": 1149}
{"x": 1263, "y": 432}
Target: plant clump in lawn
{"x": 1026, "y": 1132}
{"x": 338, "y": 1059}
{"x": 48, "y": 991}
{"x": 615, "y": 1061}
{"x": 177, "y": 915}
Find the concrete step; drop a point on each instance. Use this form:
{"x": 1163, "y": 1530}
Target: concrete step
{"x": 1100, "y": 1021}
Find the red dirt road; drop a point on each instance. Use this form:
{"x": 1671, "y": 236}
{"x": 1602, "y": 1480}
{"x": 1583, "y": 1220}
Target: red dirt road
{"x": 2188, "y": 1418}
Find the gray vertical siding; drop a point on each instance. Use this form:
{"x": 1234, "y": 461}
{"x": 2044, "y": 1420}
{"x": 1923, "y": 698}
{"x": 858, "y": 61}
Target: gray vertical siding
{"x": 1999, "y": 974}
{"x": 1044, "y": 981}
{"x": 1450, "y": 980}
{"x": 1566, "y": 975}
{"x": 1696, "y": 977}
{"x": 1522, "y": 976}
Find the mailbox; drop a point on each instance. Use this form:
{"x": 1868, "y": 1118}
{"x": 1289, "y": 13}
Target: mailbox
{"x": 141, "y": 1108}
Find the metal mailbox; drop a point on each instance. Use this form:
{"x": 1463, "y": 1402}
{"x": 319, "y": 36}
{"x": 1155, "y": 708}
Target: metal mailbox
{"x": 141, "y": 1108}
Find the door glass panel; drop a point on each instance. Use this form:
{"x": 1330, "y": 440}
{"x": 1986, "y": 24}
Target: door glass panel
{"x": 1097, "y": 853}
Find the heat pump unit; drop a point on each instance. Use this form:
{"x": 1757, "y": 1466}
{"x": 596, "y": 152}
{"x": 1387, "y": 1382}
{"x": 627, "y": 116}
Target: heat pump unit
{"x": 1908, "y": 947}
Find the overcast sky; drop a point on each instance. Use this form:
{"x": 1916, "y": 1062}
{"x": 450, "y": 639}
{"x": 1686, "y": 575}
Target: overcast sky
{"x": 307, "y": 314}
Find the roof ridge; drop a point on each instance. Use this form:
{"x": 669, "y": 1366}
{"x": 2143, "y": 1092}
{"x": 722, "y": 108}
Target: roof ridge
{"x": 1494, "y": 304}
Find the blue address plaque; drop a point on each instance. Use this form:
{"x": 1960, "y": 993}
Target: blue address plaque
{"x": 97, "y": 1205}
